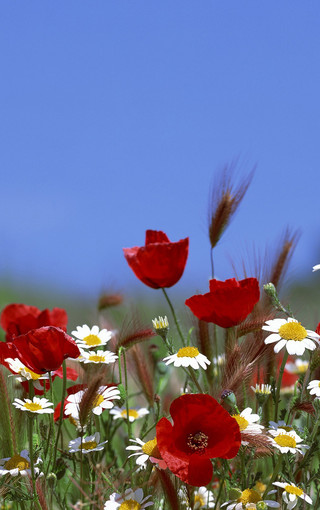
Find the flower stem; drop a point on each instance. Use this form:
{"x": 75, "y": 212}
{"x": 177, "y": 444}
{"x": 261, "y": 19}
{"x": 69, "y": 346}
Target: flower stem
{"x": 174, "y": 317}
{"x": 284, "y": 361}
{"x": 63, "y": 395}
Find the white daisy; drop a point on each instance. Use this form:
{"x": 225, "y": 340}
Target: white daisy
{"x": 36, "y": 405}
{"x": 134, "y": 499}
{"x": 262, "y": 389}
{"x": 87, "y": 444}
{"x": 146, "y": 451}
{"x": 103, "y": 401}
{"x": 134, "y": 414}
{"x": 248, "y": 498}
{"x": 291, "y": 494}
{"x": 188, "y": 357}
{"x": 87, "y": 338}
{"x": 97, "y": 357}
{"x": 19, "y": 368}
{"x": 314, "y": 387}
{"x": 286, "y": 441}
{"x": 292, "y": 334}
{"x": 316, "y": 268}
{"x": 247, "y": 421}
{"x": 298, "y": 366}
{"x": 160, "y": 323}
{"x": 202, "y": 498}
{"x": 19, "y": 464}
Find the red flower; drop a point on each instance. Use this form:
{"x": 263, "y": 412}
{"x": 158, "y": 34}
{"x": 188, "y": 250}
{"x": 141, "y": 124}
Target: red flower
{"x": 18, "y": 319}
{"x": 202, "y": 429}
{"x": 228, "y": 303}
{"x": 41, "y": 350}
{"x": 159, "y": 263}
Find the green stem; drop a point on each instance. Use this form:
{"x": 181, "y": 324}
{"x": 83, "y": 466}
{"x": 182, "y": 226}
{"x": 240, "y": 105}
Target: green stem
{"x": 284, "y": 361}
{"x": 276, "y": 470}
{"x": 63, "y": 396}
{"x": 174, "y": 317}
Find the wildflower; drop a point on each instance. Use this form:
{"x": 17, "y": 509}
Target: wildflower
{"x": 314, "y": 387}
{"x": 160, "y": 323}
{"x": 249, "y": 498}
{"x": 130, "y": 500}
{"x": 88, "y": 338}
{"x": 98, "y": 357}
{"x": 228, "y": 303}
{"x": 292, "y": 334}
{"x": 280, "y": 425}
{"x": 286, "y": 441}
{"x": 18, "y": 319}
{"x": 188, "y": 357}
{"x": 36, "y": 405}
{"x": 102, "y": 401}
{"x": 297, "y": 367}
{"x": 246, "y": 421}
{"x": 41, "y": 350}
{"x": 16, "y": 366}
{"x": 19, "y": 464}
{"x": 86, "y": 444}
{"x": 262, "y": 389}
{"x": 202, "y": 429}
{"x": 291, "y": 494}
{"x": 202, "y": 498}
{"x": 134, "y": 414}
{"x": 160, "y": 263}
{"x": 146, "y": 451}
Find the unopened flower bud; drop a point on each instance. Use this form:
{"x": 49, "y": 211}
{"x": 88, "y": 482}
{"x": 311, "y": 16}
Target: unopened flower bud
{"x": 161, "y": 326}
{"x": 229, "y": 397}
{"x": 51, "y": 480}
{"x": 261, "y": 505}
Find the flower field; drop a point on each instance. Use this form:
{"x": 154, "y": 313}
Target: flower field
{"x": 218, "y": 410}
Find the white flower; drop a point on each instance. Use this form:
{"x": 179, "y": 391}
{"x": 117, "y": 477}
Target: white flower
{"x": 87, "y": 444}
{"x": 291, "y": 493}
{"x": 137, "y": 501}
{"x": 202, "y": 498}
{"x": 262, "y": 389}
{"x": 247, "y": 421}
{"x": 36, "y": 405}
{"x": 249, "y": 499}
{"x": 134, "y": 414}
{"x": 97, "y": 357}
{"x": 292, "y": 334}
{"x": 188, "y": 357}
{"x": 298, "y": 366}
{"x": 160, "y": 323}
{"x": 19, "y": 368}
{"x": 103, "y": 400}
{"x": 316, "y": 268}
{"x": 280, "y": 425}
{"x": 19, "y": 464}
{"x": 146, "y": 451}
{"x": 86, "y": 337}
{"x": 314, "y": 387}
{"x": 286, "y": 440}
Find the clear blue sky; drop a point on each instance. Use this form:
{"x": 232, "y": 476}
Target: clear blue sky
{"x": 116, "y": 115}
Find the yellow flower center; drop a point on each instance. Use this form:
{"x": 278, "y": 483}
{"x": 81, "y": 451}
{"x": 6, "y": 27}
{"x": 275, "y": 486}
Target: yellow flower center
{"x": 242, "y": 422}
{"x": 292, "y": 331}
{"x": 260, "y": 487}
{"x": 285, "y": 440}
{"x": 199, "y": 499}
{"x": 130, "y": 504}
{"x": 32, "y": 407}
{"x": 98, "y": 400}
{"x": 293, "y": 490}
{"x": 302, "y": 368}
{"x": 96, "y": 358}
{"x": 17, "y": 462}
{"x": 91, "y": 340}
{"x": 187, "y": 352}
{"x": 89, "y": 445}
{"x": 150, "y": 448}
{"x": 34, "y": 376}
{"x": 249, "y": 496}
{"x": 132, "y": 413}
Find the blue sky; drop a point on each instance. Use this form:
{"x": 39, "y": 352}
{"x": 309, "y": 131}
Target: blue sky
{"x": 117, "y": 115}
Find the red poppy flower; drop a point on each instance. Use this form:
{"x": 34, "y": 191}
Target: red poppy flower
{"x": 202, "y": 429}
{"x": 228, "y": 303}
{"x": 41, "y": 350}
{"x": 18, "y": 319}
{"x": 159, "y": 263}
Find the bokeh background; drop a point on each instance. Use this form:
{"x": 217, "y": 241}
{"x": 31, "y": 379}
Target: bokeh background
{"x": 117, "y": 116}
